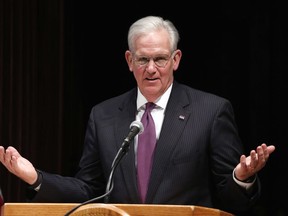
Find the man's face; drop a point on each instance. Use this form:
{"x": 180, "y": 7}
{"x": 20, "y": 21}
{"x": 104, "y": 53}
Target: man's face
{"x": 153, "y": 64}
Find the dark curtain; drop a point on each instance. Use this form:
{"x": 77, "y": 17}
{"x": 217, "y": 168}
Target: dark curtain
{"x": 58, "y": 58}
{"x": 39, "y": 107}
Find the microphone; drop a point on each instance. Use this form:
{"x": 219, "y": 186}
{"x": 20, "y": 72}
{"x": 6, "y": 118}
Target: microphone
{"x": 136, "y": 127}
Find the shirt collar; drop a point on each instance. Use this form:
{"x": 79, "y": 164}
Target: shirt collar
{"x": 160, "y": 102}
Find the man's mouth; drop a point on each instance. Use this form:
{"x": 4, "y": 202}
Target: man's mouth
{"x": 151, "y": 79}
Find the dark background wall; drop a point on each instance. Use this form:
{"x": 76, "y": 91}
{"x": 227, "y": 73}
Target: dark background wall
{"x": 59, "y": 58}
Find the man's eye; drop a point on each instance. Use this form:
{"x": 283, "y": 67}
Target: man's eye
{"x": 160, "y": 59}
{"x": 143, "y": 60}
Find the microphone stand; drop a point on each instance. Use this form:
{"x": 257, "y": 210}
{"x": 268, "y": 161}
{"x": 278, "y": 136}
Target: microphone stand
{"x": 136, "y": 127}
{"x": 109, "y": 187}
{"x": 120, "y": 154}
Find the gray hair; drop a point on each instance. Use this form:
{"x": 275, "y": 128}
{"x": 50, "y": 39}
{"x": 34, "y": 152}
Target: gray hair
{"x": 152, "y": 23}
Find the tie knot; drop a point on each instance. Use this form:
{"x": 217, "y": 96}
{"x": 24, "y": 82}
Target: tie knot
{"x": 149, "y": 106}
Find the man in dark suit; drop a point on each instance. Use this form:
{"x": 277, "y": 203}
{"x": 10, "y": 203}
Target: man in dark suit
{"x": 198, "y": 158}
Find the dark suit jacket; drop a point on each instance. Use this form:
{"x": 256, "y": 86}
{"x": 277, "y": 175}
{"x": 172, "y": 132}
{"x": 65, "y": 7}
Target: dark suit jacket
{"x": 197, "y": 150}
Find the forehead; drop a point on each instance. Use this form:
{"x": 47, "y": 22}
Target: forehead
{"x": 153, "y": 43}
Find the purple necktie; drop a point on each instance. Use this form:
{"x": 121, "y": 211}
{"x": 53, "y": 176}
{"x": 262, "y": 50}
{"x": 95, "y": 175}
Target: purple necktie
{"x": 146, "y": 145}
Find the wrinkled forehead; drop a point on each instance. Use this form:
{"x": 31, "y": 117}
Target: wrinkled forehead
{"x": 156, "y": 42}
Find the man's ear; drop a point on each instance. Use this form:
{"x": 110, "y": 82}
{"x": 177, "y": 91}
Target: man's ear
{"x": 129, "y": 59}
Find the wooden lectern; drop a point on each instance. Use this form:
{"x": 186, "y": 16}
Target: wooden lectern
{"x": 60, "y": 209}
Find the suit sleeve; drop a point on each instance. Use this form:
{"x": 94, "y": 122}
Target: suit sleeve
{"x": 226, "y": 149}
{"x": 88, "y": 183}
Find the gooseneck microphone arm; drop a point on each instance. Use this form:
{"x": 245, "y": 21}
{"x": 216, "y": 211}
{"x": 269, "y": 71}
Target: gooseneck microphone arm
{"x": 136, "y": 127}
{"x": 109, "y": 187}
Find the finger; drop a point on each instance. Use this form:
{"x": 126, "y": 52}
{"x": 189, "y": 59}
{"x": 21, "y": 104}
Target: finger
{"x": 2, "y": 152}
{"x": 261, "y": 155}
{"x": 267, "y": 150}
{"x": 13, "y": 151}
{"x": 270, "y": 149}
{"x": 13, "y": 162}
{"x": 254, "y": 159}
{"x": 243, "y": 161}
{"x": 7, "y": 156}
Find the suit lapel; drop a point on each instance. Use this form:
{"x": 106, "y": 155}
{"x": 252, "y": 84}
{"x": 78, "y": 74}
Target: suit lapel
{"x": 172, "y": 128}
{"x": 127, "y": 165}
